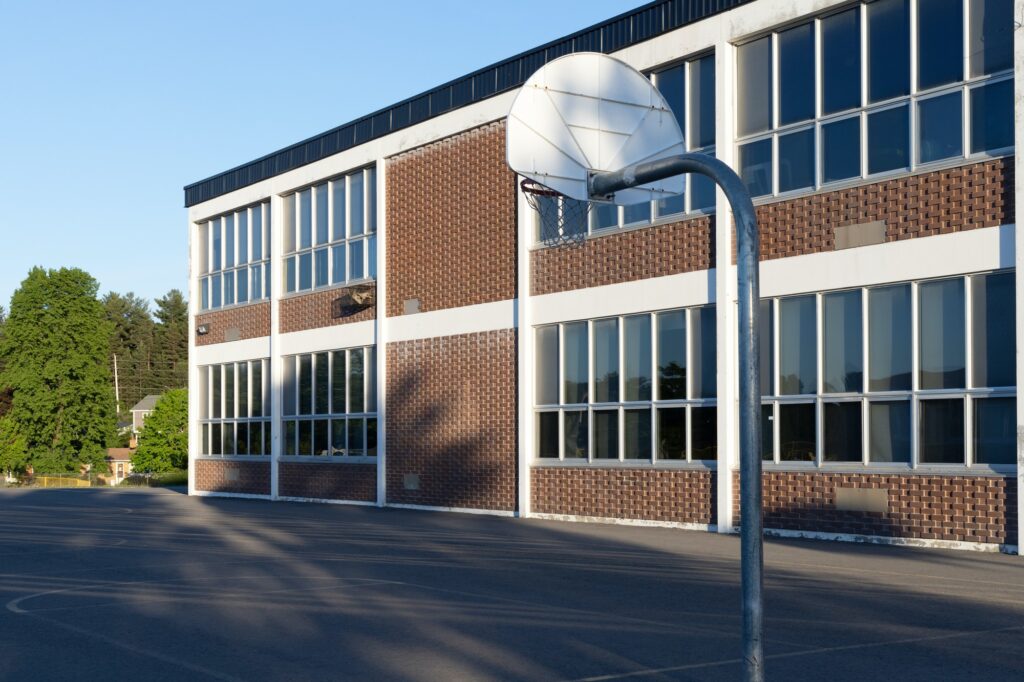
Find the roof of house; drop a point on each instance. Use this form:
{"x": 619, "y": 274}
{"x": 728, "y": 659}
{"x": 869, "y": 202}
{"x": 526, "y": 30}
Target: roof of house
{"x": 146, "y": 404}
{"x": 119, "y": 454}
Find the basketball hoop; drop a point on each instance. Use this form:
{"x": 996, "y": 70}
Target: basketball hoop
{"x": 562, "y": 220}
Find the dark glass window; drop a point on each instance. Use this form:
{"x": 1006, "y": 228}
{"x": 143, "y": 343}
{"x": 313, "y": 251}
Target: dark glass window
{"x": 798, "y": 346}
{"x": 941, "y": 319}
{"x": 338, "y": 382}
{"x": 888, "y": 140}
{"x": 766, "y": 346}
{"x": 843, "y": 436}
{"x": 637, "y": 436}
{"x": 843, "y": 341}
{"x": 768, "y": 432}
{"x": 942, "y": 431}
{"x": 305, "y": 219}
{"x": 889, "y": 338}
{"x": 940, "y": 127}
{"x": 704, "y": 362}
{"x": 995, "y": 426}
{"x": 672, "y": 86}
{"x": 796, "y": 160}
{"x": 606, "y": 361}
{"x": 940, "y": 42}
{"x": 576, "y": 434}
{"x": 754, "y": 91}
{"x": 672, "y": 433}
{"x": 321, "y": 213}
{"x": 321, "y": 372}
{"x": 889, "y": 431}
{"x": 840, "y": 150}
{"x": 991, "y": 36}
{"x": 547, "y": 365}
{"x": 755, "y": 161}
{"x": 576, "y": 358}
{"x": 305, "y": 384}
{"x": 797, "y": 433}
{"x": 702, "y": 102}
{"x": 637, "y": 331}
{"x": 672, "y": 355}
{"x": 702, "y": 192}
{"x": 547, "y": 435}
{"x": 840, "y": 61}
{"x": 888, "y": 49}
{"x": 606, "y": 434}
{"x": 992, "y": 117}
{"x": 704, "y": 432}
{"x": 338, "y": 437}
{"x": 356, "y": 381}
{"x": 994, "y": 322}
{"x": 796, "y": 74}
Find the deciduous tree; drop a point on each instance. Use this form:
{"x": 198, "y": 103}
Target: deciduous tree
{"x": 163, "y": 442}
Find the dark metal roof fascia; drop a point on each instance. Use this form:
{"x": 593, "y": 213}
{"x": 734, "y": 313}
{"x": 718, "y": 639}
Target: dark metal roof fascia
{"x": 628, "y": 28}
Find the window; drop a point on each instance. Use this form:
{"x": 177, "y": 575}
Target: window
{"x": 918, "y": 372}
{"x": 234, "y": 409}
{"x": 882, "y": 87}
{"x": 330, "y": 232}
{"x": 234, "y": 252}
{"x": 330, "y": 399}
{"x": 633, "y": 388}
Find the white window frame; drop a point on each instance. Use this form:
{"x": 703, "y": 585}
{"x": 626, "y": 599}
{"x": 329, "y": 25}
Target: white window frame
{"x": 209, "y": 269}
{"x": 206, "y": 419}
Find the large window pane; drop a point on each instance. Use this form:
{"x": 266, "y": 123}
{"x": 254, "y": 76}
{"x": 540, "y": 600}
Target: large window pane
{"x": 638, "y": 357}
{"x": 840, "y": 61}
{"x": 546, "y": 378}
{"x": 257, "y": 389}
{"x": 768, "y": 432}
{"x": 941, "y": 311}
{"x": 672, "y": 433}
{"x": 215, "y": 299}
{"x": 843, "y": 340}
{"x": 702, "y": 102}
{"x": 671, "y": 84}
{"x": 888, "y": 49}
{"x": 229, "y": 241}
{"x": 216, "y": 261}
{"x": 243, "y": 237}
{"x": 257, "y": 233}
{"x": 840, "y": 150}
{"x": 797, "y": 433}
{"x": 576, "y": 430}
{"x": 672, "y": 355}
{"x": 704, "y": 433}
{"x": 371, "y": 199}
{"x": 940, "y": 127}
{"x": 889, "y": 431}
{"x": 243, "y": 389}
{"x": 290, "y": 386}
{"x": 356, "y": 203}
{"x": 635, "y": 213}
{"x": 796, "y": 160}
{"x": 338, "y": 382}
{"x": 305, "y": 219}
{"x": 305, "y": 384}
{"x": 242, "y": 285}
{"x": 702, "y": 190}
{"x": 356, "y": 380}
{"x": 547, "y": 435}
{"x": 339, "y": 437}
{"x": 338, "y": 263}
{"x": 604, "y": 215}
{"x": 289, "y": 275}
{"x": 994, "y": 322}
{"x": 796, "y": 74}
{"x": 704, "y": 361}
{"x": 991, "y": 36}
{"x": 321, "y": 442}
{"x": 637, "y": 436}
{"x": 229, "y": 288}
{"x": 606, "y": 361}
{"x": 995, "y": 427}
{"x": 320, "y": 267}
{"x": 889, "y": 338}
{"x": 606, "y": 434}
{"x": 798, "y": 346}
{"x": 339, "y": 209}
{"x": 306, "y": 437}
{"x": 355, "y": 260}
{"x": 371, "y": 437}
{"x": 215, "y": 399}
{"x": 356, "y": 443}
{"x": 305, "y": 271}
{"x": 755, "y": 160}
{"x": 576, "y": 362}
{"x": 754, "y": 86}
{"x": 229, "y": 391}
{"x": 940, "y": 41}
{"x": 289, "y": 224}
{"x": 942, "y": 431}
{"x": 766, "y": 346}
{"x": 322, "y": 370}
{"x": 843, "y": 434}
{"x": 216, "y": 445}
{"x": 992, "y": 117}
{"x": 256, "y": 274}
{"x": 290, "y": 431}
{"x": 321, "y": 213}
{"x": 888, "y": 140}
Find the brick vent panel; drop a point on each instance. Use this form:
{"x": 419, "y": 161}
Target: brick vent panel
{"x": 681, "y": 496}
{"x": 356, "y": 482}
{"x": 315, "y": 310}
{"x": 253, "y": 477}
{"x": 451, "y": 421}
{"x": 252, "y": 321}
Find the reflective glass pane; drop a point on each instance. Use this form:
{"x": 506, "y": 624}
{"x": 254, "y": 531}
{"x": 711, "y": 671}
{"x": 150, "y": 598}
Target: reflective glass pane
{"x": 941, "y": 314}
{"x": 703, "y": 364}
{"x": 798, "y": 346}
{"x": 371, "y": 255}
{"x": 229, "y": 439}
{"x": 321, "y": 213}
{"x": 339, "y": 437}
{"x": 339, "y": 209}
{"x": 888, "y": 49}
{"x": 766, "y": 346}
{"x": 547, "y": 435}
{"x": 992, "y": 117}
{"x": 243, "y": 389}
{"x": 305, "y": 271}
{"x": 636, "y": 213}
{"x": 305, "y": 219}
{"x": 843, "y": 341}
{"x": 995, "y": 426}
{"x": 229, "y": 288}
{"x": 203, "y": 244}
{"x": 321, "y": 374}
{"x": 257, "y": 233}
{"x": 768, "y": 432}
{"x": 256, "y": 393}
{"x": 889, "y": 338}
{"x": 606, "y": 434}
{"x": 305, "y": 384}
{"x": 229, "y": 240}
{"x": 755, "y": 160}
{"x": 889, "y": 431}
{"x": 638, "y": 357}
{"x": 290, "y": 433}
{"x": 604, "y": 215}
{"x": 356, "y": 380}
{"x": 256, "y": 274}
{"x": 940, "y": 42}
{"x": 637, "y": 434}
{"x": 242, "y": 285}
{"x": 754, "y": 86}
{"x": 243, "y": 237}
{"x": 672, "y": 355}
{"x": 371, "y": 200}
{"x": 991, "y": 36}
{"x": 840, "y": 150}
{"x": 204, "y": 296}
{"x": 574, "y": 216}
{"x": 704, "y": 433}
{"x": 289, "y": 274}
{"x": 888, "y": 140}
{"x": 356, "y": 203}
{"x": 843, "y": 436}
{"x": 216, "y": 444}
{"x": 702, "y": 191}
{"x": 672, "y": 433}
{"x": 702, "y": 102}
{"x": 840, "y": 61}
{"x": 673, "y": 204}
{"x": 942, "y": 431}
{"x": 994, "y": 321}
{"x": 546, "y": 379}
{"x": 606, "y": 361}
{"x": 797, "y": 433}
{"x": 320, "y": 266}
{"x": 671, "y": 83}
{"x": 355, "y": 261}
{"x": 796, "y": 74}
{"x": 216, "y": 298}
{"x": 576, "y": 434}
{"x": 306, "y": 437}
{"x": 576, "y": 361}
{"x": 218, "y": 253}
{"x": 371, "y": 379}
{"x": 289, "y": 223}
{"x": 290, "y": 386}
{"x": 371, "y": 437}
{"x": 215, "y": 399}
{"x": 229, "y": 391}
{"x": 796, "y": 160}
{"x": 256, "y": 439}
{"x": 940, "y": 127}
{"x": 321, "y": 442}
{"x": 338, "y": 263}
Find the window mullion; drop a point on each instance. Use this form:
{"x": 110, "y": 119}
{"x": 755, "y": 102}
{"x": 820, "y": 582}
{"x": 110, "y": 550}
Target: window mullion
{"x": 915, "y": 408}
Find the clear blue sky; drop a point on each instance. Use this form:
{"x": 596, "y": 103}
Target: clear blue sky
{"x": 107, "y": 109}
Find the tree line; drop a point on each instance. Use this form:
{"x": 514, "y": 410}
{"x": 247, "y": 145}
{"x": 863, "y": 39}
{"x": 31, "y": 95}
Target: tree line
{"x": 58, "y": 340}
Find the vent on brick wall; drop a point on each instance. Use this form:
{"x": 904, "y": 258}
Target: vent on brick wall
{"x": 862, "y": 499}
{"x": 412, "y": 481}
{"x": 864, "y": 234}
{"x": 232, "y": 334}
{"x": 411, "y": 306}
{"x": 231, "y": 475}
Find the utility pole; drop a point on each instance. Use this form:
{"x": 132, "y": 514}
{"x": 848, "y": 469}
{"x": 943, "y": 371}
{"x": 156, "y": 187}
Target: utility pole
{"x": 117, "y": 388}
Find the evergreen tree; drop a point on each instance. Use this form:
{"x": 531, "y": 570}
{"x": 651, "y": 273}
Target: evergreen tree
{"x": 163, "y": 442}
{"x": 55, "y": 354}
{"x": 132, "y": 342}
{"x": 170, "y": 348}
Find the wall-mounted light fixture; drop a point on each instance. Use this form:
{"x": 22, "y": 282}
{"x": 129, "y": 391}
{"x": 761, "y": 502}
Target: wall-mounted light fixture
{"x": 203, "y": 329}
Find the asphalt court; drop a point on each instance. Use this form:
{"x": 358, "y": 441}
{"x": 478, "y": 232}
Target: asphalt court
{"x": 152, "y": 584}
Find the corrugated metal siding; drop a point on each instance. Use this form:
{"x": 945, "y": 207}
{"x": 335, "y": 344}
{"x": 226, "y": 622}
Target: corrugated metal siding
{"x": 618, "y": 32}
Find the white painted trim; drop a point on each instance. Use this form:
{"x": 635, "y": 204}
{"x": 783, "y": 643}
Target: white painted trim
{"x": 328, "y": 338}
{"x": 276, "y": 265}
{"x": 525, "y": 368}
{"x": 318, "y": 500}
{"x": 232, "y": 351}
{"x": 460, "y": 510}
{"x": 241, "y": 496}
{"x": 882, "y": 540}
{"x": 1018, "y": 107}
{"x": 382, "y": 332}
{"x": 644, "y": 523}
{"x": 471, "y": 319}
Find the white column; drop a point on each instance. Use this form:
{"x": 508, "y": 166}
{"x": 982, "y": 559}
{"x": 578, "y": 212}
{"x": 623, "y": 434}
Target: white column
{"x": 276, "y": 370}
{"x": 1018, "y": 108}
{"x": 381, "y": 335}
{"x": 194, "y": 289}
{"x": 725, "y": 294}
{"x": 524, "y": 327}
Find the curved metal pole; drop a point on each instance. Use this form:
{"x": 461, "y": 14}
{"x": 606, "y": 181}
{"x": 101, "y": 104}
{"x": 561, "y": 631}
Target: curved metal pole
{"x": 751, "y": 548}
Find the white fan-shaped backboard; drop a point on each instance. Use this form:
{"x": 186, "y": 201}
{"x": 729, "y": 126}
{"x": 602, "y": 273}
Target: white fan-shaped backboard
{"x": 588, "y": 112}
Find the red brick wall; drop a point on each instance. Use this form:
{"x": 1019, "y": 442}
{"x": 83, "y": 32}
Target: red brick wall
{"x": 937, "y": 202}
{"x": 938, "y": 507}
{"x": 625, "y": 257}
{"x": 253, "y": 477}
{"x": 451, "y": 419}
{"x": 681, "y": 496}
{"x": 338, "y": 481}
{"x": 451, "y": 217}
{"x": 312, "y": 311}
{"x": 252, "y": 321}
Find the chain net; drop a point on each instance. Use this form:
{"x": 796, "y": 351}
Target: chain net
{"x": 562, "y": 220}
